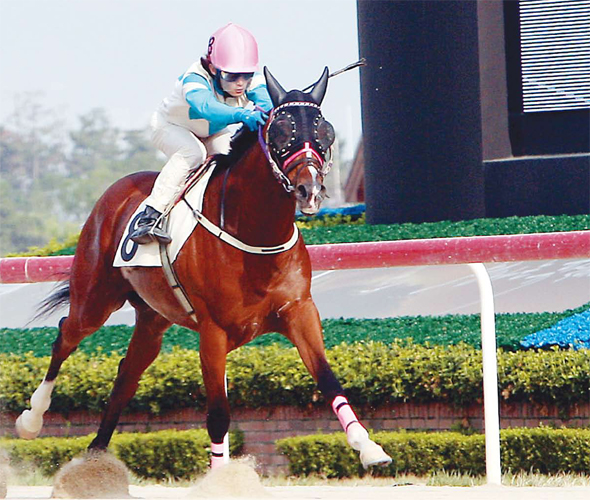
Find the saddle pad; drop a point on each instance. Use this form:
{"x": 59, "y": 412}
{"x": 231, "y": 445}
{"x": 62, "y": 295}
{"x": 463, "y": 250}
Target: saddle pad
{"x": 181, "y": 223}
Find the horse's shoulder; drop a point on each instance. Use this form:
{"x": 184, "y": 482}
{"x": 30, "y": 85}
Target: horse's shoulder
{"x": 137, "y": 183}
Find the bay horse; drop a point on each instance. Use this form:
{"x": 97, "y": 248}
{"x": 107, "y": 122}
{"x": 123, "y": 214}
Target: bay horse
{"x": 236, "y": 295}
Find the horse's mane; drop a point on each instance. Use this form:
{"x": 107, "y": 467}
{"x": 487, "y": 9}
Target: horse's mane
{"x": 241, "y": 142}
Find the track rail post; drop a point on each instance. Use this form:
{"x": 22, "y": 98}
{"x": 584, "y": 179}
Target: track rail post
{"x": 490, "y": 375}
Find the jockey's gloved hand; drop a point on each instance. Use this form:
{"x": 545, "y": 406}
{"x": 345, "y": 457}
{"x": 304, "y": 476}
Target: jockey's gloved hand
{"x": 252, "y": 119}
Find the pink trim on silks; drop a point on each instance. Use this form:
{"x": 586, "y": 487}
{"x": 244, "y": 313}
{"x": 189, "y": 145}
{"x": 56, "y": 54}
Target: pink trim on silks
{"x": 217, "y": 459}
{"x": 307, "y": 149}
{"x": 344, "y": 412}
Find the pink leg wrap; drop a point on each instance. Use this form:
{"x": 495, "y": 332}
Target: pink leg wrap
{"x": 216, "y": 455}
{"x": 344, "y": 412}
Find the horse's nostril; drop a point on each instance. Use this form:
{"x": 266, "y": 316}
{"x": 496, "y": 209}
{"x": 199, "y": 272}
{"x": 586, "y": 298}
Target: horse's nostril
{"x": 302, "y": 191}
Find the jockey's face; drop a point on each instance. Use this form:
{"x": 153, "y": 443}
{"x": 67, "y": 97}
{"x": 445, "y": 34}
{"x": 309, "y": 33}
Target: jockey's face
{"x": 234, "y": 84}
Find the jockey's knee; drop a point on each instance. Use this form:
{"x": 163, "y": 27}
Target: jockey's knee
{"x": 192, "y": 156}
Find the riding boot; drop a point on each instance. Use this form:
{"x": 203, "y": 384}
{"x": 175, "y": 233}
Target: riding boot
{"x": 149, "y": 228}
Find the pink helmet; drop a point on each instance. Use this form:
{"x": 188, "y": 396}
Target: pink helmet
{"x": 233, "y": 49}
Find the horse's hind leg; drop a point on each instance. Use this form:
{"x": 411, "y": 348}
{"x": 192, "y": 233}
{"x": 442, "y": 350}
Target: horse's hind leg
{"x": 304, "y": 329}
{"x": 142, "y": 351}
{"x": 88, "y": 312}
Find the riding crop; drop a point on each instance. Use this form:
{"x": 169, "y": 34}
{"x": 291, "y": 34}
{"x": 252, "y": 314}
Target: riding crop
{"x": 360, "y": 62}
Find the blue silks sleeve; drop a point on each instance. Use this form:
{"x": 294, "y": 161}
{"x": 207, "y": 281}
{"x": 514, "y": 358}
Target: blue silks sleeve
{"x": 260, "y": 97}
{"x": 204, "y": 105}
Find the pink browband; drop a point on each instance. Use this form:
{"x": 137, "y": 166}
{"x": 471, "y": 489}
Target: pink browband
{"x": 305, "y": 149}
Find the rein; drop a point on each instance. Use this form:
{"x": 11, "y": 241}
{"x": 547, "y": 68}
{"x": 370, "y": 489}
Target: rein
{"x": 278, "y": 173}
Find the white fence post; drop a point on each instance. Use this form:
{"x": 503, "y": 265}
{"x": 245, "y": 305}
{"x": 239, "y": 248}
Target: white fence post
{"x": 490, "y": 375}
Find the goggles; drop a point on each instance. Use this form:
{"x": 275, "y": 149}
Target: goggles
{"x": 234, "y": 77}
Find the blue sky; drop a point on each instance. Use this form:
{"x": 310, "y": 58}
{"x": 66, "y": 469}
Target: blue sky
{"x": 124, "y": 55}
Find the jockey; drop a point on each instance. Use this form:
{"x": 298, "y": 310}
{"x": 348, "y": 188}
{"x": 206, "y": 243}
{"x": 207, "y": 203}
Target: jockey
{"x": 200, "y": 117}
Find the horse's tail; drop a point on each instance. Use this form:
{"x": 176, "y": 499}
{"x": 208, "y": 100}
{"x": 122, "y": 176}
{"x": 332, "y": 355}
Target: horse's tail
{"x": 58, "y": 299}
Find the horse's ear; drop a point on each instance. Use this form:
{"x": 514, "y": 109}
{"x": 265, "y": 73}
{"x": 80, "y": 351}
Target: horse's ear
{"x": 276, "y": 92}
{"x": 319, "y": 89}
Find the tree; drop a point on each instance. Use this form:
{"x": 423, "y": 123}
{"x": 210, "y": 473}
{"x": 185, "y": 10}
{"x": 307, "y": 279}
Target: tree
{"x": 31, "y": 152}
{"x": 101, "y": 155}
{"x": 50, "y": 180}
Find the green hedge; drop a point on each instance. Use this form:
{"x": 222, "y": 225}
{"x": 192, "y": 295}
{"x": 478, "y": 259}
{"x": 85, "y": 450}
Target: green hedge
{"x": 321, "y": 233}
{"x": 542, "y": 450}
{"x": 373, "y": 373}
{"x": 157, "y": 455}
{"x": 344, "y": 229}
{"x": 438, "y": 330}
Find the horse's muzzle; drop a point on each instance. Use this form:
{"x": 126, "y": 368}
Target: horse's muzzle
{"x": 310, "y": 192}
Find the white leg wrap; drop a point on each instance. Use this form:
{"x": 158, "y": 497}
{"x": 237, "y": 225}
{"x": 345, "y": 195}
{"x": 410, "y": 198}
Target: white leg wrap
{"x": 356, "y": 434}
{"x": 217, "y": 459}
{"x": 41, "y": 398}
{"x": 358, "y": 437}
{"x": 30, "y": 422}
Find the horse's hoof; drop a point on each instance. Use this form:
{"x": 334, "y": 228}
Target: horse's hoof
{"x": 97, "y": 474}
{"x": 372, "y": 454}
{"x": 28, "y": 426}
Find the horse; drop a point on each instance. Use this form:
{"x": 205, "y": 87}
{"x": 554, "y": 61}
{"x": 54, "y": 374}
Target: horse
{"x": 235, "y": 294}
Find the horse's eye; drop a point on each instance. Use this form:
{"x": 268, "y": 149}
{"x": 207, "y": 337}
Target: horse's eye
{"x": 325, "y": 134}
{"x": 281, "y": 131}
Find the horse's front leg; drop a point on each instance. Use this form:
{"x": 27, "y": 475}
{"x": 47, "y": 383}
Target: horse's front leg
{"x": 304, "y": 329}
{"x": 213, "y": 351}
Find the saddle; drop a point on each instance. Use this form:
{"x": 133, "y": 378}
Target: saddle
{"x": 179, "y": 221}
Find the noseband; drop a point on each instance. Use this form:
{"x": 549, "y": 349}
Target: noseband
{"x": 305, "y": 156}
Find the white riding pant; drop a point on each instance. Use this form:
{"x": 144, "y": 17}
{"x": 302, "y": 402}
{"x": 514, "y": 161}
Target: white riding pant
{"x": 185, "y": 151}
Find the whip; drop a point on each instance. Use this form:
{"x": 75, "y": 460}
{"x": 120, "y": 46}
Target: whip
{"x": 361, "y": 62}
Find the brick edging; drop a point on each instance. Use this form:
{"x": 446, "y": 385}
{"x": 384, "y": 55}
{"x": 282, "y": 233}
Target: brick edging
{"x": 263, "y": 426}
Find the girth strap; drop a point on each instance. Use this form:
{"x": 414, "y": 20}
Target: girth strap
{"x": 174, "y": 282}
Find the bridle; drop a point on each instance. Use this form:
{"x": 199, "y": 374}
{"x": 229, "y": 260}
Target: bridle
{"x": 302, "y": 156}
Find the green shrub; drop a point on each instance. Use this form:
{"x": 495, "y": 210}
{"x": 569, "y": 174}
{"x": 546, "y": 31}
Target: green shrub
{"x": 373, "y": 373}
{"x": 440, "y": 330}
{"x": 46, "y": 454}
{"x": 306, "y": 222}
{"x": 545, "y": 377}
{"x": 327, "y": 455}
{"x": 350, "y": 233}
{"x": 547, "y": 451}
{"x": 155, "y": 455}
{"x": 54, "y": 247}
{"x": 541, "y": 450}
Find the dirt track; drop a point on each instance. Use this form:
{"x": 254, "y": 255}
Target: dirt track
{"x": 349, "y": 493}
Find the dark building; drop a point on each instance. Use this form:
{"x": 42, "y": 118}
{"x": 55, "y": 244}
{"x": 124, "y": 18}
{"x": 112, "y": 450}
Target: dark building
{"x": 474, "y": 108}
